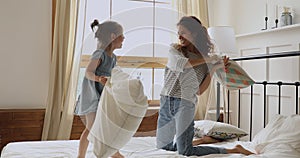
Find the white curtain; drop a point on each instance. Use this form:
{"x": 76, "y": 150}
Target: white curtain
{"x": 206, "y": 102}
{"x": 198, "y": 8}
{"x": 64, "y": 71}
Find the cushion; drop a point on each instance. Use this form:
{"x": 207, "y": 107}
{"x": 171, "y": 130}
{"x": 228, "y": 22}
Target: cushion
{"x": 234, "y": 77}
{"x": 281, "y": 130}
{"x": 121, "y": 109}
{"x": 217, "y": 130}
{"x": 269, "y": 131}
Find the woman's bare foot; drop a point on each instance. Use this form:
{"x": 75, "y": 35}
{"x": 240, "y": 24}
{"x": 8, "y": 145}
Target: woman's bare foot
{"x": 205, "y": 140}
{"x": 240, "y": 150}
{"x": 117, "y": 155}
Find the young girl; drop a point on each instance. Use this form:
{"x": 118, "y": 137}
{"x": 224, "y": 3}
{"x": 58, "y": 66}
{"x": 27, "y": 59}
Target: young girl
{"x": 110, "y": 37}
{"x": 184, "y": 74}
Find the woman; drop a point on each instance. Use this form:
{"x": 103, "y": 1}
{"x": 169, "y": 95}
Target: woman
{"x": 110, "y": 37}
{"x": 184, "y": 73}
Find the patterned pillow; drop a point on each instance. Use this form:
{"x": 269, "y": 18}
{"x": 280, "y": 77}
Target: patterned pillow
{"x": 198, "y": 132}
{"x": 217, "y": 130}
{"x": 234, "y": 77}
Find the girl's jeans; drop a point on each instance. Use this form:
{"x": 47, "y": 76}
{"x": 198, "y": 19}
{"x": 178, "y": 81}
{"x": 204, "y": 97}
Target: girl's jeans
{"x": 176, "y": 118}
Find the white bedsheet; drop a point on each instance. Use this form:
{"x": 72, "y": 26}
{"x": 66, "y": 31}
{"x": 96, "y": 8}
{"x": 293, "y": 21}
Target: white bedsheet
{"x": 137, "y": 147}
{"x": 280, "y": 139}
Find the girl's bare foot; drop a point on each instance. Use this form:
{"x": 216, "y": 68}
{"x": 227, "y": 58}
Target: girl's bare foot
{"x": 117, "y": 155}
{"x": 205, "y": 140}
{"x": 240, "y": 150}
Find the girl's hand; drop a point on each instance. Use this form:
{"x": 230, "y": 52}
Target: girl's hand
{"x": 102, "y": 80}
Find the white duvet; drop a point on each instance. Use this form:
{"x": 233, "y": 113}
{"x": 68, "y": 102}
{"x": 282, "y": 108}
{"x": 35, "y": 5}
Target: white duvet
{"x": 121, "y": 109}
{"x": 279, "y": 139}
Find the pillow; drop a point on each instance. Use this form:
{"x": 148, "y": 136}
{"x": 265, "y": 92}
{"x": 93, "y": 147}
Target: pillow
{"x": 281, "y": 130}
{"x": 270, "y": 130}
{"x": 217, "y": 130}
{"x": 121, "y": 109}
{"x": 234, "y": 77}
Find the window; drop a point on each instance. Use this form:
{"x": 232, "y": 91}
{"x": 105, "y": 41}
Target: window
{"x": 149, "y": 29}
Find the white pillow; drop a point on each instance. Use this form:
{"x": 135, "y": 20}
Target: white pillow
{"x": 218, "y": 130}
{"x": 281, "y": 129}
{"x": 269, "y": 131}
{"x": 121, "y": 109}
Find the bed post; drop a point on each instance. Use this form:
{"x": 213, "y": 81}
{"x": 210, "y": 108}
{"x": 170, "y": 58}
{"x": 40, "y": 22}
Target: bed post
{"x": 265, "y": 102}
{"x": 218, "y": 102}
{"x": 297, "y": 95}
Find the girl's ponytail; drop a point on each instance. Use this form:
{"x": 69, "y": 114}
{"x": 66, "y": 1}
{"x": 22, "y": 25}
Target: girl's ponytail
{"x": 94, "y": 23}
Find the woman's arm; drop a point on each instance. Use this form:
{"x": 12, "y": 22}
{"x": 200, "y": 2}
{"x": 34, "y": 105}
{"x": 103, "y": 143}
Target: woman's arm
{"x": 196, "y": 62}
{"x": 205, "y": 84}
{"x": 221, "y": 64}
{"x": 177, "y": 61}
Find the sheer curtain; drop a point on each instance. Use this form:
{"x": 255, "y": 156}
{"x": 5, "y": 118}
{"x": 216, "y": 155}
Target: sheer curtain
{"x": 199, "y": 9}
{"x": 63, "y": 72}
{"x": 196, "y": 8}
{"x": 206, "y": 102}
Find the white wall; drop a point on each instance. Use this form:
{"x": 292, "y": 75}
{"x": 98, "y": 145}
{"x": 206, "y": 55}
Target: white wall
{"x": 220, "y": 12}
{"x": 247, "y": 16}
{"x": 25, "y": 41}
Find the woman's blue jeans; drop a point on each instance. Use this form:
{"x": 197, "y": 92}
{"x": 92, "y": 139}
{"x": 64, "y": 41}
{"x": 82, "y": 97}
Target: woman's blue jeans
{"x": 176, "y": 119}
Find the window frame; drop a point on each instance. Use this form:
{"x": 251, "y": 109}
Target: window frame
{"x": 125, "y": 61}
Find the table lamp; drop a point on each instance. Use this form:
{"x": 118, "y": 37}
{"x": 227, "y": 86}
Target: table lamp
{"x": 224, "y": 40}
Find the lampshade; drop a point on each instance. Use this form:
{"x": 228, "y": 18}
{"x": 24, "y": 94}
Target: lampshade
{"x": 224, "y": 39}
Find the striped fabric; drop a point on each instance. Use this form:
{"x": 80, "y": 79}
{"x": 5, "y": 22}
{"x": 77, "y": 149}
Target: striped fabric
{"x": 234, "y": 77}
{"x": 182, "y": 82}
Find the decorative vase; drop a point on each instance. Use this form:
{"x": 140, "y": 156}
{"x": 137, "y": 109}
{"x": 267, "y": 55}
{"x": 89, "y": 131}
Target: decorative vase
{"x": 286, "y": 17}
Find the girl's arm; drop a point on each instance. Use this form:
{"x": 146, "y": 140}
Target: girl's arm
{"x": 90, "y": 72}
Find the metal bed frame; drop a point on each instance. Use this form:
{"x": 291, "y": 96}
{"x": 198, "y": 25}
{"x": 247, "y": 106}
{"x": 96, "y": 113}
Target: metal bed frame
{"x": 265, "y": 84}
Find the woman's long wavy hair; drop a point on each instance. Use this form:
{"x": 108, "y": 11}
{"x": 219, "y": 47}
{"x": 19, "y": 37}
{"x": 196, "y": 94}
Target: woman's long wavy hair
{"x": 201, "y": 38}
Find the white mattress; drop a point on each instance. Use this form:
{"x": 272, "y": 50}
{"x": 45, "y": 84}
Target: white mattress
{"x": 137, "y": 147}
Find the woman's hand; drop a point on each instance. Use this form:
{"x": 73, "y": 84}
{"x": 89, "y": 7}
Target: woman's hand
{"x": 226, "y": 62}
{"x": 223, "y": 63}
{"x": 212, "y": 59}
{"x": 102, "y": 80}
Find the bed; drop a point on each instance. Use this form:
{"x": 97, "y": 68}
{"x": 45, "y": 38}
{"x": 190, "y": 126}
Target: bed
{"x": 278, "y": 138}
{"x": 264, "y": 144}
{"x": 136, "y": 147}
